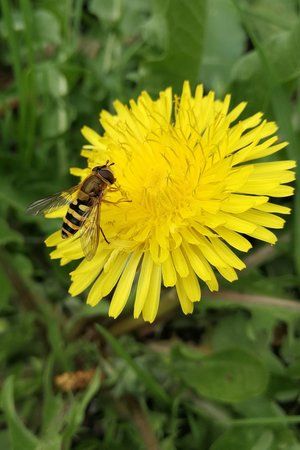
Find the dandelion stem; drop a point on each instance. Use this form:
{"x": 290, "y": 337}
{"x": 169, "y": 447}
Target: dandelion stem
{"x": 231, "y": 297}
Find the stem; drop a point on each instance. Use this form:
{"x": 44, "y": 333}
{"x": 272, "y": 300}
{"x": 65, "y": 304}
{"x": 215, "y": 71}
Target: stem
{"x": 266, "y": 421}
{"x": 141, "y": 421}
{"x": 257, "y": 300}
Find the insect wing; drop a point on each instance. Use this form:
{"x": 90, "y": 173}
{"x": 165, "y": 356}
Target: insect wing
{"x": 89, "y": 237}
{"x": 53, "y": 202}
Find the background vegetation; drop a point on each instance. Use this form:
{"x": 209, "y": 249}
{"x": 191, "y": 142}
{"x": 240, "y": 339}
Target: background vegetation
{"x": 224, "y": 378}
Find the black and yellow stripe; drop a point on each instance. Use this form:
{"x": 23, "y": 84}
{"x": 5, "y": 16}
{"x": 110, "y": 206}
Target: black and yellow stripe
{"x": 75, "y": 217}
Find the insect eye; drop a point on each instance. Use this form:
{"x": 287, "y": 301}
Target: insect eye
{"x": 107, "y": 175}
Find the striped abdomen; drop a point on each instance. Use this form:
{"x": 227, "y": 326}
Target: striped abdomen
{"x": 75, "y": 217}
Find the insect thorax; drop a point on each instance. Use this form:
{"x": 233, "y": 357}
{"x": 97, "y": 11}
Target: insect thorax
{"x": 93, "y": 185}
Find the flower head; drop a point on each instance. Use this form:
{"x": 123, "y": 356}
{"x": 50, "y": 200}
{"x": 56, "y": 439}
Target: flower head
{"x": 189, "y": 169}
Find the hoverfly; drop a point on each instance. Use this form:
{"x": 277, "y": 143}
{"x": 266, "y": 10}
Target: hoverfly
{"x": 84, "y": 207}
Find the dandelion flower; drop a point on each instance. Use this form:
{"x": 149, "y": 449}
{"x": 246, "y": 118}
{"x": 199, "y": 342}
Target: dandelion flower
{"x": 197, "y": 191}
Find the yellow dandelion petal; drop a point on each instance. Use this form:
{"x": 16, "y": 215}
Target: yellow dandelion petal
{"x": 143, "y": 286}
{"x": 226, "y": 254}
{"x": 70, "y": 248}
{"x": 236, "y": 112}
{"x": 197, "y": 264}
{"x": 228, "y": 273}
{"x": 91, "y": 136}
{"x": 53, "y": 239}
{"x": 180, "y": 263}
{"x": 234, "y": 239}
{"x": 152, "y": 301}
{"x": 270, "y": 207}
{"x": 87, "y": 272}
{"x": 263, "y": 234}
{"x": 108, "y": 279}
{"x": 190, "y": 191}
{"x": 123, "y": 288}
{"x": 237, "y": 203}
{"x": 191, "y": 287}
{"x": 168, "y": 273}
{"x": 186, "y": 305}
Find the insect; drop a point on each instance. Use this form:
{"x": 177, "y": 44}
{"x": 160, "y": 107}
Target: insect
{"x": 84, "y": 202}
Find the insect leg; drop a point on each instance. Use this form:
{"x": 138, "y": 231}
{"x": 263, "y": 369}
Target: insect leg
{"x": 102, "y": 232}
{"x": 121, "y": 200}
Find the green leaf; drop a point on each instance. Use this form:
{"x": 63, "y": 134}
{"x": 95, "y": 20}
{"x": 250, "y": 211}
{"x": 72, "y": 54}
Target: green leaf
{"x": 51, "y": 81}
{"x": 47, "y": 27}
{"x": 227, "y": 376}
{"x": 221, "y": 49}
{"x": 282, "y": 51}
{"x": 252, "y": 438}
{"x": 106, "y": 10}
{"x": 274, "y": 59}
{"x": 52, "y": 443}
{"x": 259, "y": 408}
{"x": 21, "y": 437}
{"x": 184, "y": 22}
{"x": 147, "y": 379}
{"x": 269, "y": 17}
{"x": 56, "y": 121}
{"x": 232, "y": 331}
{"x": 259, "y": 437}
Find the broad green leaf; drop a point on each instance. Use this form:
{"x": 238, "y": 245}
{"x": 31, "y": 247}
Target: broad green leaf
{"x": 50, "y": 80}
{"x": 254, "y": 333}
{"x": 52, "y": 443}
{"x": 257, "y": 438}
{"x": 249, "y": 438}
{"x": 282, "y": 51}
{"x": 21, "y": 438}
{"x": 260, "y": 408}
{"x": 133, "y": 18}
{"x": 273, "y": 59}
{"x": 56, "y": 121}
{"x": 127, "y": 16}
{"x": 106, "y": 10}
{"x": 47, "y": 27}
{"x": 232, "y": 331}
{"x": 270, "y": 17}
{"x": 184, "y": 21}
{"x": 227, "y": 376}
{"x": 221, "y": 49}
